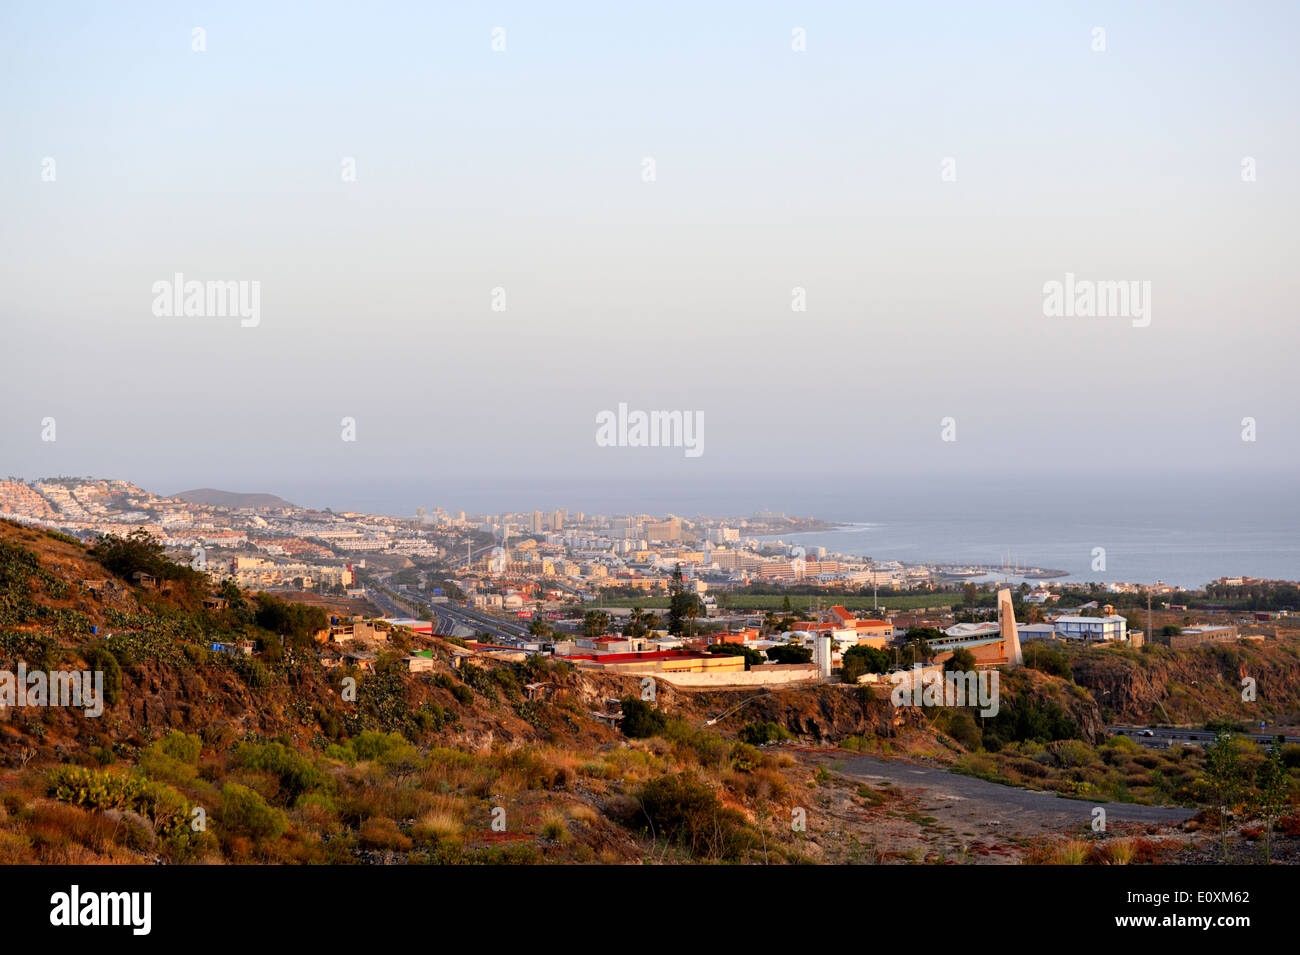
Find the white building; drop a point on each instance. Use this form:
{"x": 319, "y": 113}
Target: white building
{"x": 1113, "y": 627}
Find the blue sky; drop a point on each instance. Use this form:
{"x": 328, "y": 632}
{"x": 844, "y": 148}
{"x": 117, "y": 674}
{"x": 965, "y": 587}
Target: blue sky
{"x": 522, "y": 170}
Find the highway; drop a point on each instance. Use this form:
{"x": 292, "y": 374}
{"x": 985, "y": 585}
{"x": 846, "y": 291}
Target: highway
{"x": 1167, "y": 736}
{"x": 457, "y": 620}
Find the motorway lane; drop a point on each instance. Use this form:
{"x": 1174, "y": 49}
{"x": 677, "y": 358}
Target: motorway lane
{"x": 1169, "y": 735}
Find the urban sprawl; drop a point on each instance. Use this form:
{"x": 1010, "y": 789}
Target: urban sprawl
{"x": 586, "y": 587}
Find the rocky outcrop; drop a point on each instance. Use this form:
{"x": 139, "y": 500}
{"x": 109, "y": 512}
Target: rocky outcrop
{"x": 1193, "y": 685}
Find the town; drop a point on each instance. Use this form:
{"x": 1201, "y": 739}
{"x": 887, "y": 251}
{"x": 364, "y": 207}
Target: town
{"x": 702, "y": 602}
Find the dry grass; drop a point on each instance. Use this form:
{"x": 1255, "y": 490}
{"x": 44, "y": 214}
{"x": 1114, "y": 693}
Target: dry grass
{"x": 554, "y": 828}
{"x": 439, "y": 825}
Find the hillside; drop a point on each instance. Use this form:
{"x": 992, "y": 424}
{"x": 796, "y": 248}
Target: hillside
{"x": 212, "y": 497}
{"x": 203, "y": 755}
{"x": 456, "y": 765}
{"x": 1195, "y": 685}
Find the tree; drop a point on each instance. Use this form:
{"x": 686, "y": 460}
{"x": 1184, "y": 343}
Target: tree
{"x": 969, "y": 592}
{"x": 636, "y": 624}
{"x": 539, "y": 628}
{"x": 141, "y": 551}
{"x": 297, "y": 623}
{"x": 692, "y": 611}
{"x": 230, "y": 592}
{"x": 961, "y": 659}
{"x": 640, "y": 719}
{"x": 863, "y": 659}
{"x": 595, "y": 623}
{"x": 1224, "y": 771}
{"x": 789, "y": 653}
{"x": 1273, "y": 790}
{"x": 752, "y": 657}
{"x": 678, "y": 601}
{"x": 916, "y": 646}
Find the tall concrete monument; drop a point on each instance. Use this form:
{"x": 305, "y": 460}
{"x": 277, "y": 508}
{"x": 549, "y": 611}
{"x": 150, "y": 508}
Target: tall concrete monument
{"x": 1007, "y": 627}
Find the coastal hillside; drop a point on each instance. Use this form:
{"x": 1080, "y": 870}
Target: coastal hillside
{"x": 212, "y": 497}
{"x": 1195, "y": 685}
{"x": 461, "y": 763}
{"x": 224, "y": 737}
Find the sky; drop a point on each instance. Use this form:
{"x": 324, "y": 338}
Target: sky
{"x": 524, "y": 169}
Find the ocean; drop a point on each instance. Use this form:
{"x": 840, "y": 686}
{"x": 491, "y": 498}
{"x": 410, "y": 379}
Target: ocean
{"x": 1183, "y": 529}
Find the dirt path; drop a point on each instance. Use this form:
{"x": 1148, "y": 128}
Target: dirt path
{"x": 982, "y": 809}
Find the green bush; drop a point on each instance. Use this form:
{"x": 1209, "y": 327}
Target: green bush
{"x": 640, "y": 719}
{"x": 182, "y": 746}
{"x": 683, "y": 810}
{"x": 246, "y": 813}
{"x": 297, "y": 623}
{"x": 963, "y": 729}
{"x": 166, "y": 808}
{"x": 763, "y": 731}
{"x": 296, "y": 773}
{"x": 376, "y": 745}
{"x": 746, "y": 758}
{"x": 99, "y": 658}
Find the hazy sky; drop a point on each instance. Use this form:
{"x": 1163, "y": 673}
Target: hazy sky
{"x": 523, "y": 170}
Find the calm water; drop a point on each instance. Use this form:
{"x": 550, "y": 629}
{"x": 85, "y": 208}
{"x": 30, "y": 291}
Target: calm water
{"x": 1184, "y": 530}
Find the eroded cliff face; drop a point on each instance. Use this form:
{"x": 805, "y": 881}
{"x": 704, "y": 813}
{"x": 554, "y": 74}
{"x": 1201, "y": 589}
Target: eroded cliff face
{"x": 1026, "y": 686}
{"x": 827, "y": 714}
{"x": 1194, "y": 685}
{"x": 813, "y": 713}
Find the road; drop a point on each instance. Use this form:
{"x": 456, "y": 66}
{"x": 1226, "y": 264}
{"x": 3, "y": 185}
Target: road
{"x": 1167, "y": 736}
{"x": 458, "y": 620}
{"x": 1005, "y": 810}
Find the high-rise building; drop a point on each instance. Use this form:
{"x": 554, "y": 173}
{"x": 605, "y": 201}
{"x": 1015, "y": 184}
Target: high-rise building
{"x": 669, "y": 530}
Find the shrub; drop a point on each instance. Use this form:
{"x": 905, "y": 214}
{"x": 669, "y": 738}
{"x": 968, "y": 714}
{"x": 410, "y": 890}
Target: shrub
{"x": 746, "y": 758}
{"x": 181, "y": 746}
{"x": 98, "y": 658}
{"x": 555, "y": 829}
{"x": 709, "y": 748}
{"x": 1047, "y": 660}
{"x": 375, "y": 745}
{"x": 297, "y": 774}
{"x": 1070, "y": 754}
{"x": 253, "y": 672}
{"x": 681, "y": 809}
{"x": 246, "y": 813}
{"x": 166, "y": 808}
{"x": 295, "y": 622}
{"x": 761, "y": 732}
{"x": 964, "y": 730}
{"x": 438, "y": 825}
{"x": 640, "y": 719}
{"x": 380, "y": 833}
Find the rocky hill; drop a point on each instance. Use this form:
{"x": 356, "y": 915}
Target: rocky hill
{"x": 212, "y": 497}
{"x": 282, "y": 761}
{"x": 205, "y": 754}
{"x": 1194, "y": 685}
